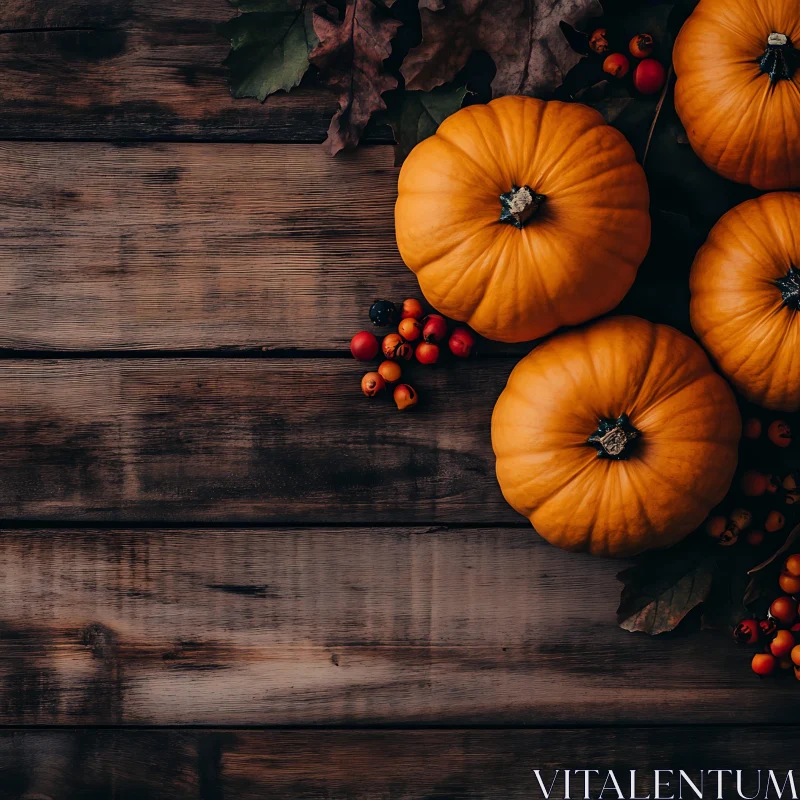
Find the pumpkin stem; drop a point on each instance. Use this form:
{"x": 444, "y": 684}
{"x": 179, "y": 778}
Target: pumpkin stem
{"x": 519, "y": 205}
{"x": 613, "y": 438}
{"x": 780, "y": 58}
{"x": 789, "y": 285}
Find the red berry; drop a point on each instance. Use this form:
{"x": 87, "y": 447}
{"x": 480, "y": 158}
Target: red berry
{"x": 649, "y": 76}
{"x": 789, "y": 583}
{"x": 641, "y": 46}
{"x": 755, "y": 538}
{"x": 752, "y": 428}
{"x": 780, "y": 434}
{"x": 767, "y": 627}
{"x": 404, "y": 396}
{"x": 754, "y": 483}
{"x": 410, "y": 329}
{"x": 763, "y": 664}
{"x": 427, "y": 353}
{"x": 395, "y": 348}
{"x": 782, "y": 644}
{"x": 617, "y": 65}
{"x": 372, "y": 383}
{"x": 364, "y": 346}
{"x": 795, "y": 654}
{"x": 412, "y": 309}
{"x": 784, "y": 611}
{"x": 461, "y": 342}
{"x": 435, "y": 328}
{"x": 747, "y": 632}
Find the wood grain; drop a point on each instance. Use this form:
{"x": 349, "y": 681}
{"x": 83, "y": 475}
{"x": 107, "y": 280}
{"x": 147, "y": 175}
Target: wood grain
{"x": 194, "y": 246}
{"x": 248, "y": 440}
{"x": 136, "y": 69}
{"x": 344, "y": 627}
{"x": 380, "y": 765}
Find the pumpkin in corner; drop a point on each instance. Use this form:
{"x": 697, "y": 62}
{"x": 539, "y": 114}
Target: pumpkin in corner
{"x": 616, "y": 438}
{"x": 521, "y": 216}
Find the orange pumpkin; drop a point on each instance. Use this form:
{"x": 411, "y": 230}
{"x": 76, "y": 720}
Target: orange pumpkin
{"x": 522, "y": 215}
{"x": 615, "y": 438}
{"x": 745, "y": 307}
{"x": 738, "y": 92}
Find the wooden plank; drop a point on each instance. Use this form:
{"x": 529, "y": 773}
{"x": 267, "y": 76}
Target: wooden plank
{"x": 344, "y": 627}
{"x": 492, "y": 765}
{"x": 246, "y": 440}
{"x": 194, "y": 246}
{"x": 136, "y": 69}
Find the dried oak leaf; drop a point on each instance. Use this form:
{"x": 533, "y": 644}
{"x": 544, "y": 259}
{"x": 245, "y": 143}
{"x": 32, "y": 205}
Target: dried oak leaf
{"x": 663, "y": 587}
{"x": 270, "y": 44}
{"x": 419, "y": 114}
{"x": 350, "y": 57}
{"x": 523, "y": 38}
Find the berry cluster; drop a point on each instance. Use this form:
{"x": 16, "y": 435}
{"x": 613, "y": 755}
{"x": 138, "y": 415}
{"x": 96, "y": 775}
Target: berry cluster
{"x": 415, "y": 336}
{"x": 779, "y": 634}
{"x": 727, "y": 529}
{"x": 649, "y": 75}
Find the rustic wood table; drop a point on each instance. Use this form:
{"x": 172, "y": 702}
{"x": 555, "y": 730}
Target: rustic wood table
{"x": 223, "y": 573}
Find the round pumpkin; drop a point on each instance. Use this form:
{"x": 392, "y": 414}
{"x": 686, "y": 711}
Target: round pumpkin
{"x": 615, "y": 438}
{"x": 523, "y": 215}
{"x": 745, "y": 307}
{"x": 738, "y": 89}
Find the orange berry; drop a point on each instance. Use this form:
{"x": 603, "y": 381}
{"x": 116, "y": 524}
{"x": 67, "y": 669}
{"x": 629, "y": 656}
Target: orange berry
{"x": 754, "y": 483}
{"x": 390, "y": 371}
{"x": 752, "y": 428}
{"x": 427, "y": 353}
{"x": 783, "y": 610}
{"x": 616, "y": 65}
{"x": 641, "y": 45}
{"x": 372, "y": 383}
{"x": 774, "y": 522}
{"x": 405, "y": 396}
{"x": 796, "y": 654}
{"x": 598, "y": 41}
{"x": 792, "y": 565}
{"x": 410, "y": 329}
{"x": 779, "y": 433}
{"x": 782, "y": 644}
{"x": 412, "y": 309}
{"x": 789, "y": 583}
{"x": 763, "y": 664}
{"x": 394, "y": 347}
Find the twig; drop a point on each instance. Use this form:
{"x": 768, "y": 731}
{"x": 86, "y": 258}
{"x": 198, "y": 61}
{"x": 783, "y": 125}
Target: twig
{"x": 659, "y": 106}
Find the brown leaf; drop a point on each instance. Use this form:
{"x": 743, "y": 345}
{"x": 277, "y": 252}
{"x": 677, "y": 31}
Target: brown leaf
{"x": 350, "y": 57}
{"x": 664, "y": 586}
{"x": 523, "y": 38}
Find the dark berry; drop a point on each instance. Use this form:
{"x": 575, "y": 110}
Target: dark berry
{"x": 383, "y": 313}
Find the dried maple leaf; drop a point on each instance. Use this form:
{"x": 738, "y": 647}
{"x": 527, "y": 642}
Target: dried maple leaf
{"x": 350, "y": 57}
{"x": 523, "y": 38}
{"x": 270, "y": 43}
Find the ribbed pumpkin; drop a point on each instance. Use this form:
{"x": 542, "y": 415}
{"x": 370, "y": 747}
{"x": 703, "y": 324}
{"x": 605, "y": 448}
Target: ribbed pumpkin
{"x": 522, "y": 215}
{"x": 615, "y": 438}
{"x": 738, "y": 89}
{"x": 745, "y": 284}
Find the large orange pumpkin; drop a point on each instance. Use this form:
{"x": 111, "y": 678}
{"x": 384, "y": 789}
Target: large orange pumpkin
{"x": 745, "y": 284}
{"x": 615, "y": 438}
{"x": 738, "y": 91}
{"x": 522, "y": 215}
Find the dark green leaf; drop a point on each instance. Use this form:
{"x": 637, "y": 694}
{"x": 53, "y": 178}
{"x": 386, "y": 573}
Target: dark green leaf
{"x": 419, "y": 114}
{"x": 270, "y": 44}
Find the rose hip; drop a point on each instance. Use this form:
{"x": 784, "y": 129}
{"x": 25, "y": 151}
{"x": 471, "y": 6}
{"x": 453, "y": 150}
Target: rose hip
{"x": 364, "y": 346}
{"x": 372, "y": 384}
{"x": 410, "y": 329}
{"x": 779, "y": 433}
{"x": 405, "y": 396}
{"x": 390, "y": 371}
{"x": 427, "y": 353}
{"x": 435, "y": 328}
{"x": 395, "y": 348}
{"x": 784, "y": 611}
{"x": 412, "y": 309}
{"x": 461, "y": 342}
{"x": 764, "y": 664}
